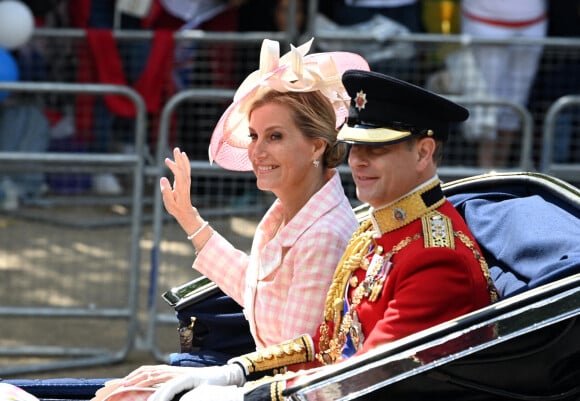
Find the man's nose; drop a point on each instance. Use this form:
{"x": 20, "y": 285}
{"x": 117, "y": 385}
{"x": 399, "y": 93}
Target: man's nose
{"x": 356, "y": 155}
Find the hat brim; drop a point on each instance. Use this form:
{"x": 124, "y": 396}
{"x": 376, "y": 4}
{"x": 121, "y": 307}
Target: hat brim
{"x": 319, "y": 71}
{"x": 371, "y": 136}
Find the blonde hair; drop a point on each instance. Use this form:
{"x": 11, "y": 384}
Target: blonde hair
{"x": 314, "y": 116}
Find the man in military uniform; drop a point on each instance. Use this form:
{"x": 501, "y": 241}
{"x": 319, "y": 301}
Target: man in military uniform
{"x": 413, "y": 264}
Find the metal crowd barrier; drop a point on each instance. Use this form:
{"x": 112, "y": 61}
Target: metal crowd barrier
{"x": 525, "y": 161}
{"x": 54, "y": 276}
{"x": 81, "y": 161}
{"x": 565, "y": 170}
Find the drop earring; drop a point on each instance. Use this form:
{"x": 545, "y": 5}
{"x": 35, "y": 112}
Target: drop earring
{"x": 316, "y": 163}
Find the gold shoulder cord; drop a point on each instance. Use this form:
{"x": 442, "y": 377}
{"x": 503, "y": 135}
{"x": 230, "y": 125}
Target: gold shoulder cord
{"x": 351, "y": 259}
{"x": 493, "y": 293}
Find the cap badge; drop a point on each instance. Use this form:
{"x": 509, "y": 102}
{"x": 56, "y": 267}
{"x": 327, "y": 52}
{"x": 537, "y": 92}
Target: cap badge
{"x": 361, "y": 100}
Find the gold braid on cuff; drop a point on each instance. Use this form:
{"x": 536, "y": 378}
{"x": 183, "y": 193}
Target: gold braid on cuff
{"x": 276, "y": 358}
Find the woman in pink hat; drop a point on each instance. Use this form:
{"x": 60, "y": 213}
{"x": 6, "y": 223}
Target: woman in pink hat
{"x": 282, "y": 124}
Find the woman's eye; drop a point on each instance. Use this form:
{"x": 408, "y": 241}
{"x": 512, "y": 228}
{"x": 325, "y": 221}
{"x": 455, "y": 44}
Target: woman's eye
{"x": 275, "y": 136}
{"x": 252, "y": 136}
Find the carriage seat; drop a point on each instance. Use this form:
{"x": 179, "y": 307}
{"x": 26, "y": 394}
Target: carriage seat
{"x": 527, "y": 225}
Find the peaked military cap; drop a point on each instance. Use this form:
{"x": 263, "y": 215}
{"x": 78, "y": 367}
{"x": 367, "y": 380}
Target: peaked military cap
{"x": 386, "y": 110}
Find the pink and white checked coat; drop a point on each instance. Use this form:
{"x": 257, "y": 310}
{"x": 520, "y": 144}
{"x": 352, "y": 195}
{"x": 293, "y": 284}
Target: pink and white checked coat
{"x": 282, "y": 284}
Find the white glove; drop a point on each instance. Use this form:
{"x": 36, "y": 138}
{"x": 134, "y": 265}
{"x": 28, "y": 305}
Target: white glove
{"x": 209, "y": 392}
{"x": 226, "y": 375}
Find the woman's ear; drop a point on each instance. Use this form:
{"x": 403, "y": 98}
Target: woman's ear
{"x": 319, "y": 147}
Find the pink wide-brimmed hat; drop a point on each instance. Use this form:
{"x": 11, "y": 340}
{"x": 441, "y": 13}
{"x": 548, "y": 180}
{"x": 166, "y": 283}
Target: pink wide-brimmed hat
{"x": 294, "y": 72}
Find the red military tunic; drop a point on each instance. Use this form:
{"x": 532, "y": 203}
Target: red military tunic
{"x": 431, "y": 271}
{"x": 425, "y": 286}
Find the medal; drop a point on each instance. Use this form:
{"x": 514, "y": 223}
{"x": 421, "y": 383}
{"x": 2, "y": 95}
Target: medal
{"x": 374, "y": 266}
{"x": 376, "y": 289}
{"x": 379, "y": 282}
{"x": 376, "y": 262}
{"x": 356, "y": 333}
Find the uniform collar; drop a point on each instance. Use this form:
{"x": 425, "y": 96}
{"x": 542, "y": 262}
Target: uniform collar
{"x": 408, "y": 208}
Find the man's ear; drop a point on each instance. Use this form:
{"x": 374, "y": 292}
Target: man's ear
{"x": 425, "y": 149}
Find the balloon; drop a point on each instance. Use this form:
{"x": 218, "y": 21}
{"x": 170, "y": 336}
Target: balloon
{"x": 16, "y": 24}
{"x": 8, "y": 70}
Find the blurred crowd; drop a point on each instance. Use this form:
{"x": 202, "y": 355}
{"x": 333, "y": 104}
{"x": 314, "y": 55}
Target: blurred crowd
{"x": 159, "y": 67}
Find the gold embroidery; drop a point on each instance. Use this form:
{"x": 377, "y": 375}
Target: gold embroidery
{"x": 298, "y": 350}
{"x": 437, "y": 231}
{"x": 276, "y": 391}
{"x": 279, "y": 378}
{"x": 405, "y": 210}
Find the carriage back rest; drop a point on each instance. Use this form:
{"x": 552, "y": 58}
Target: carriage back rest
{"x": 527, "y": 224}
